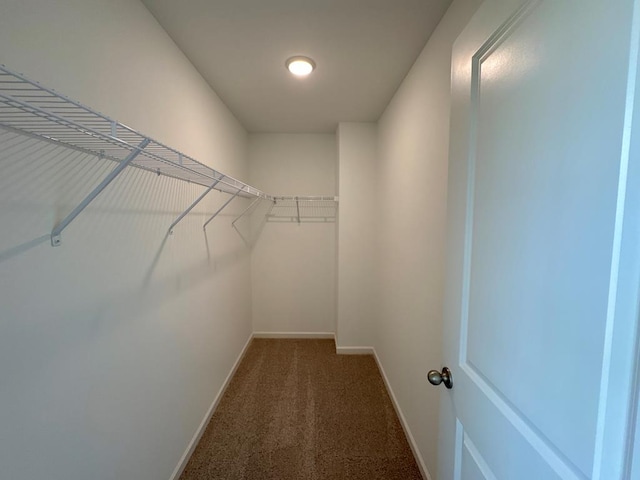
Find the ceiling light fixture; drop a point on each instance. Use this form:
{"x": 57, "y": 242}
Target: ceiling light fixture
{"x": 300, "y": 66}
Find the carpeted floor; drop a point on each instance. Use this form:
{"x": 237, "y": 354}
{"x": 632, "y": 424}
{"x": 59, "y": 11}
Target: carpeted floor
{"x": 296, "y": 410}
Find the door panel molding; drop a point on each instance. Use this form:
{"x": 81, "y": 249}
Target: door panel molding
{"x": 494, "y": 41}
{"x": 562, "y": 465}
{"x": 483, "y": 53}
{"x": 457, "y": 457}
{"x": 540, "y": 443}
{"x": 475, "y": 456}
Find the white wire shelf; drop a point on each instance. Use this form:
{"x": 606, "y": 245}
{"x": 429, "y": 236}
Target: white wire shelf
{"x": 28, "y": 107}
{"x": 303, "y": 209}
{"x": 32, "y": 109}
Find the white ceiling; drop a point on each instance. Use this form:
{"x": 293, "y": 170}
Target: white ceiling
{"x": 362, "y": 48}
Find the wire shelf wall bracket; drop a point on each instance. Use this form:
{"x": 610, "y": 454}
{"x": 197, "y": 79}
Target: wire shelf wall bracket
{"x": 229, "y": 200}
{"x": 56, "y": 238}
{"x": 191, "y": 207}
{"x": 245, "y": 211}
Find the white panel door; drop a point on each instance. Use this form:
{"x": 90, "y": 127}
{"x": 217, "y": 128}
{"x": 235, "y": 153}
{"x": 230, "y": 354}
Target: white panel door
{"x": 542, "y": 270}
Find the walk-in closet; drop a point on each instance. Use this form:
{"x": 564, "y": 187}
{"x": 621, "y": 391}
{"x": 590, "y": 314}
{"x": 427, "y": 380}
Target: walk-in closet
{"x": 317, "y": 239}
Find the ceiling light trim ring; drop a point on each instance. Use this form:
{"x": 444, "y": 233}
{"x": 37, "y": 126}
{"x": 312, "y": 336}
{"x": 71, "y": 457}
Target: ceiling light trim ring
{"x": 308, "y": 65}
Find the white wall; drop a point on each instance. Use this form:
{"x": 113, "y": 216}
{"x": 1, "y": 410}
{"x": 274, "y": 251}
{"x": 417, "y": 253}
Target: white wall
{"x": 293, "y": 266}
{"x": 412, "y": 178}
{"x": 357, "y": 151}
{"x": 111, "y": 347}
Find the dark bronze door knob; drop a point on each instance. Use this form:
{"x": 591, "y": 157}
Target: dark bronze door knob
{"x": 436, "y": 378}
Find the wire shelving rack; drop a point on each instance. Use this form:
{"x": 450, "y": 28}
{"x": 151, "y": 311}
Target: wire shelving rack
{"x": 303, "y": 209}
{"x": 30, "y": 108}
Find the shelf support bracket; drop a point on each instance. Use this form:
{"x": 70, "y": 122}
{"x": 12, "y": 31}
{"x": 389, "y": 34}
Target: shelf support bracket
{"x": 192, "y": 206}
{"x": 298, "y": 209}
{"x": 57, "y": 231}
{"x": 233, "y": 224}
{"x": 204, "y": 227}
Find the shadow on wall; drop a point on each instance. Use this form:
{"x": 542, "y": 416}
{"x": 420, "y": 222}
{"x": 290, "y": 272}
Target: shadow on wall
{"x": 23, "y": 247}
{"x": 251, "y": 225}
{"x": 248, "y": 225}
{"x": 111, "y": 243}
{"x": 145, "y": 300}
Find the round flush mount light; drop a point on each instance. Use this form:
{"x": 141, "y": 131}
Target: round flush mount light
{"x": 300, "y": 66}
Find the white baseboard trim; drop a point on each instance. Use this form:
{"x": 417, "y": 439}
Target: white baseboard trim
{"x": 293, "y": 335}
{"x": 205, "y": 421}
{"x": 403, "y": 421}
{"x": 354, "y": 350}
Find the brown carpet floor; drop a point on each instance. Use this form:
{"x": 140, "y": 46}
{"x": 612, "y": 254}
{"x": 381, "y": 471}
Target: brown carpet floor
{"x": 296, "y": 410}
